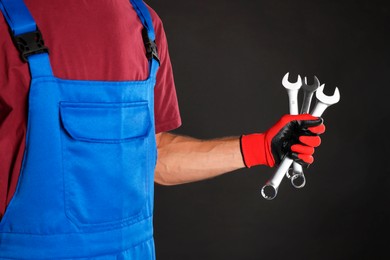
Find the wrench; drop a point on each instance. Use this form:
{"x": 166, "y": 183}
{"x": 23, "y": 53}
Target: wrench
{"x": 298, "y": 179}
{"x": 292, "y": 91}
{"x": 270, "y": 189}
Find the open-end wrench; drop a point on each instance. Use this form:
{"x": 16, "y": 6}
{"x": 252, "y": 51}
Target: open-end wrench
{"x": 270, "y": 190}
{"x": 292, "y": 89}
{"x": 298, "y": 179}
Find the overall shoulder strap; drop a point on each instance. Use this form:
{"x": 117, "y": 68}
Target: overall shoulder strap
{"x": 27, "y": 37}
{"x": 148, "y": 35}
{"x": 17, "y": 16}
{"x": 144, "y": 15}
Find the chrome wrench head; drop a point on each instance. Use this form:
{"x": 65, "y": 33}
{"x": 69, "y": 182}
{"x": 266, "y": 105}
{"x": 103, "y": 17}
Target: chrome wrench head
{"x": 329, "y": 100}
{"x": 324, "y": 101}
{"x": 292, "y": 91}
{"x": 311, "y": 88}
{"x": 298, "y": 179}
{"x": 291, "y": 85}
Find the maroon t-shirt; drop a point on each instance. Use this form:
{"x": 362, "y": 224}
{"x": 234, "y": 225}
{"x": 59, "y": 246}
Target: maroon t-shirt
{"x": 88, "y": 40}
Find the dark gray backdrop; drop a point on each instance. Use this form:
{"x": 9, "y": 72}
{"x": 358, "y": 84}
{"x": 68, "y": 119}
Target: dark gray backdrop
{"x": 229, "y": 58}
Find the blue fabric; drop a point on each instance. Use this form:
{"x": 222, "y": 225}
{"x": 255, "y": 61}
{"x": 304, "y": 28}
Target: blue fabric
{"x": 86, "y": 185}
{"x": 18, "y": 17}
{"x": 145, "y": 17}
{"x": 39, "y": 65}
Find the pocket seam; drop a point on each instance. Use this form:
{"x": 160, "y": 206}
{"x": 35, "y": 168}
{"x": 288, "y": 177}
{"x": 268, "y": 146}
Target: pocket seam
{"x": 99, "y": 105}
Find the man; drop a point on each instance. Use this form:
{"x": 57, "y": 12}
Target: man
{"x": 80, "y": 123}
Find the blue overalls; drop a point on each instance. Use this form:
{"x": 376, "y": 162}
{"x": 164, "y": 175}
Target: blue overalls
{"x": 85, "y": 189}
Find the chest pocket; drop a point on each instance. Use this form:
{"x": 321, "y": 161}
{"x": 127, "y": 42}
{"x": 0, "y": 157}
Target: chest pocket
{"x": 104, "y": 161}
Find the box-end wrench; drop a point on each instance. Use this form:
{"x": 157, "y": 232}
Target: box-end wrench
{"x": 270, "y": 190}
{"x": 298, "y": 179}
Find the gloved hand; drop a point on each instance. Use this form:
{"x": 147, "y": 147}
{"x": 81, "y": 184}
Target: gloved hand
{"x": 294, "y": 136}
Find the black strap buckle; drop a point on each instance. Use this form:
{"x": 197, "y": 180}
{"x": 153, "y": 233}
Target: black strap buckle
{"x": 150, "y": 46}
{"x": 30, "y": 43}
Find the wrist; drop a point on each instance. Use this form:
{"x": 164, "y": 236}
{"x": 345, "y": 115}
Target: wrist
{"x": 254, "y": 150}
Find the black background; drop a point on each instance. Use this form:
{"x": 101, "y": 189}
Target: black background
{"x": 229, "y": 58}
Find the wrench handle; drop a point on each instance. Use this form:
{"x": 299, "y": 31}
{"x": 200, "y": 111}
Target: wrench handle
{"x": 319, "y": 109}
{"x": 293, "y": 101}
{"x": 307, "y": 96}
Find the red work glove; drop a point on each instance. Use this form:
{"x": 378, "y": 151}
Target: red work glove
{"x": 294, "y": 136}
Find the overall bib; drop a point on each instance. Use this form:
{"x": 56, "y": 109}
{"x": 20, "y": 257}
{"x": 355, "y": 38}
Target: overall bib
{"x": 85, "y": 189}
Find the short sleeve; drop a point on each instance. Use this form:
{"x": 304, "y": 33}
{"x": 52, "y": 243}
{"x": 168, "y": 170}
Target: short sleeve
{"x": 167, "y": 115}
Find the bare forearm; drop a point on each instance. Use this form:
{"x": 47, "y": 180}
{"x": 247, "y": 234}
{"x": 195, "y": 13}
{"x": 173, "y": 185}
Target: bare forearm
{"x": 184, "y": 159}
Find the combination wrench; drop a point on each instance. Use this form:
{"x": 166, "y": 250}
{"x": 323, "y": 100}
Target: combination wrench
{"x": 297, "y": 177}
{"x": 292, "y": 89}
{"x": 270, "y": 189}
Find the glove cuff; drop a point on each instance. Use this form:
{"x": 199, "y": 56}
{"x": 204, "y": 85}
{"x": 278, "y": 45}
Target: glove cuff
{"x": 253, "y": 150}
